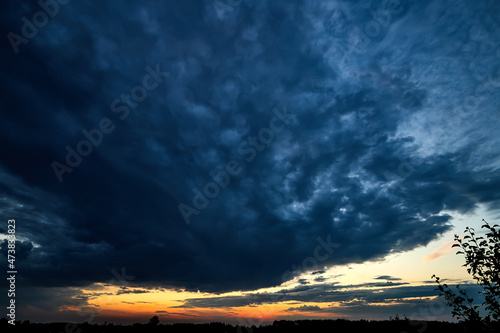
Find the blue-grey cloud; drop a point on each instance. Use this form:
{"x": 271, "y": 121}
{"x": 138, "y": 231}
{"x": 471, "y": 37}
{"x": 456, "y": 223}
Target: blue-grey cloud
{"x": 322, "y": 293}
{"x": 387, "y": 278}
{"x": 305, "y": 308}
{"x": 131, "y": 291}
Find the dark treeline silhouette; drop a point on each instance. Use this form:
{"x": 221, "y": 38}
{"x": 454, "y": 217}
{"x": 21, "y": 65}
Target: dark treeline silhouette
{"x": 338, "y": 325}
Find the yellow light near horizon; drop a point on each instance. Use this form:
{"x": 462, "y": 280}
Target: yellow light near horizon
{"x": 413, "y": 268}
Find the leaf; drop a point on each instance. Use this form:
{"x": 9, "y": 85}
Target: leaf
{"x": 455, "y": 245}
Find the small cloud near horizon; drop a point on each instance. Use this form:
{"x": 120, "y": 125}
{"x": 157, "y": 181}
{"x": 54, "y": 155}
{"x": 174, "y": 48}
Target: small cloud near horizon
{"x": 387, "y": 277}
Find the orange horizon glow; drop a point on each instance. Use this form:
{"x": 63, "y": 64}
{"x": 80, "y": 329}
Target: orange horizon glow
{"x": 129, "y": 304}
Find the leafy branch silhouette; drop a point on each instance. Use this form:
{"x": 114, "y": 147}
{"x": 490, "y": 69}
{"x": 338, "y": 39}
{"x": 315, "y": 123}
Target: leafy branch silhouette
{"x": 482, "y": 259}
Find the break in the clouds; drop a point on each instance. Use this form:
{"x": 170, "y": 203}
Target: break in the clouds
{"x": 271, "y": 128}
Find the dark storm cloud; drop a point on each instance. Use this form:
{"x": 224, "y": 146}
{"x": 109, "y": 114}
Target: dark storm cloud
{"x": 378, "y": 155}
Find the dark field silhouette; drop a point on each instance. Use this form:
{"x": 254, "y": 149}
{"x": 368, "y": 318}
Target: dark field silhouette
{"x": 339, "y": 325}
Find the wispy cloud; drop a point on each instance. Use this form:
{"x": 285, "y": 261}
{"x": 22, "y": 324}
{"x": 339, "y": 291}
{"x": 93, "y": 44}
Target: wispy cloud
{"x": 440, "y": 252}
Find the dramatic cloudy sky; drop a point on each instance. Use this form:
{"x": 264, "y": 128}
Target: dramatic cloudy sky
{"x": 263, "y": 159}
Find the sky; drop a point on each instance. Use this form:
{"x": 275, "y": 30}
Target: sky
{"x": 244, "y": 161}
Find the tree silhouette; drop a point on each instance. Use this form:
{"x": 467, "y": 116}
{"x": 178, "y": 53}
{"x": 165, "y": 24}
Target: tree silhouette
{"x": 154, "y": 320}
{"x": 482, "y": 259}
